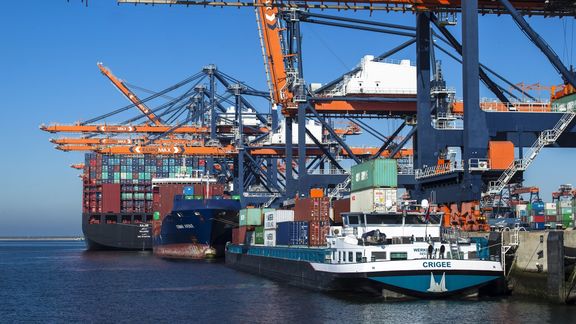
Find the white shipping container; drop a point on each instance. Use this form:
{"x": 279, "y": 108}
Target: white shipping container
{"x": 270, "y": 237}
{"x": 374, "y": 200}
{"x": 269, "y": 222}
{"x": 550, "y": 206}
{"x": 522, "y": 207}
{"x": 277, "y": 216}
{"x": 565, "y": 203}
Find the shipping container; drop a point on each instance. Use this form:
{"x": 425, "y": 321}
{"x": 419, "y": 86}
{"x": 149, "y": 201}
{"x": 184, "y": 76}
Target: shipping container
{"x": 339, "y": 207}
{"x": 565, "y": 203}
{"x": 551, "y": 218}
{"x": 270, "y": 237}
{"x": 550, "y": 206}
{"x": 537, "y": 226}
{"x": 374, "y": 200}
{"x": 239, "y": 235}
{"x": 292, "y": 233}
{"x": 373, "y": 174}
{"x": 317, "y": 232}
{"x": 111, "y": 198}
{"x": 308, "y": 209}
{"x": 538, "y": 219}
{"x": 250, "y": 217}
{"x": 259, "y": 235}
{"x": 277, "y": 216}
{"x": 550, "y": 212}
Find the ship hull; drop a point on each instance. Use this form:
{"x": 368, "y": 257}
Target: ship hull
{"x": 115, "y": 236}
{"x": 407, "y": 281}
{"x": 196, "y": 229}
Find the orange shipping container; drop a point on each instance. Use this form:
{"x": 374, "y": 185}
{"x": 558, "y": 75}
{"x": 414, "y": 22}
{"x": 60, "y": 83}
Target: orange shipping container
{"x": 500, "y": 154}
{"x": 316, "y": 193}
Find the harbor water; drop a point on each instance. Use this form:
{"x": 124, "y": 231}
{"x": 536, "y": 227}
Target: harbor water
{"x": 59, "y": 282}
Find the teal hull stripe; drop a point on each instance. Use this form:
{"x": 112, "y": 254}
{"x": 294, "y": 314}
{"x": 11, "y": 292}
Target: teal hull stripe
{"x": 421, "y": 283}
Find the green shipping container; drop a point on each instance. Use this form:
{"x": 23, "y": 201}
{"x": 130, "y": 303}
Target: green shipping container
{"x": 550, "y": 212}
{"x": 156, "y": 215}
{"x": 250, "y": 217}
{"x": 188, "y": 197}
{"x": 374, "y": 174}
{"x": 242, "y": 217}
{"x": 566, "y": 210}
{"x": 259, "y": 235}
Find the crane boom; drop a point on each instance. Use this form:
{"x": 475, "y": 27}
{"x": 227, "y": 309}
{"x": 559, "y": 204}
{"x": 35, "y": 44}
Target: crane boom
{"x": 130, "y": 95}
{"x": 274, "y": 54}
{"x": 527, "y": 7}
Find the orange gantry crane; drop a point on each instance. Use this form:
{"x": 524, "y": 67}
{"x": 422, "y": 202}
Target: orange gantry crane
{"x": 130, "y": 95}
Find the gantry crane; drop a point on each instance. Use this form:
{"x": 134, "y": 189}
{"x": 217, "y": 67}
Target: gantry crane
{"x": 480, "y": 128}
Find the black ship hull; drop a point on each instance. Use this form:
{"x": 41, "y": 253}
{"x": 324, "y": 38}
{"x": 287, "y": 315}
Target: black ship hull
{"x": 107, "y": 232}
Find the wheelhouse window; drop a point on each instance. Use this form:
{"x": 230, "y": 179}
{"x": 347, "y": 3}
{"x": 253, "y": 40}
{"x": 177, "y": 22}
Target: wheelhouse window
{"x": 398, "y": 255}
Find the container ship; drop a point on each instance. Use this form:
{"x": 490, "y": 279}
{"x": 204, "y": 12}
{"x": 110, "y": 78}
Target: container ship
{"x": 117, "y": 201}
{"x": 376, "y": 247}
{"x": 193, "y": 218}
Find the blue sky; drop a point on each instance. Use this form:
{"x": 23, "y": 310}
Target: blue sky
{"x": 49, "y": 50}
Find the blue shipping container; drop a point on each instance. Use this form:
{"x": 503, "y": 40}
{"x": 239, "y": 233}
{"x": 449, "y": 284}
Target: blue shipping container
{"x": 283, "y": 233}
{"x": 292, "y": 233}
{"x": 299, "y": 233}
{"x": 537, "y": 226}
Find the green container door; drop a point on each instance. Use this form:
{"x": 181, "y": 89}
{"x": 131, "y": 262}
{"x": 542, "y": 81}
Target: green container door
{"x": 259, "y": 235}
{"x": 242, "y": 217}
{"x": 250, "y": 217}
{"x": 254, "y": 217}
{"x": 374, "y": 174}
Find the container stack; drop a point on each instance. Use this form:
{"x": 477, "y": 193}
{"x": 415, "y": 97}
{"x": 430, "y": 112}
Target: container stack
{"x": 537, "y": 216}
{"x": 565, "y": 213}
{"x": 522, "y": 212}
{"x": 373, "y": 187}
{"x": 316, "y": 213}
{"x": 271, "y": 220}
{"x": 131, "y": 176}
{"x": 251, "y": 228}
{"x": 551, "y": 214}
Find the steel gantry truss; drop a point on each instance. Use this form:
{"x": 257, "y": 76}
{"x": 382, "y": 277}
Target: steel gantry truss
{"x": 437, "y": 122}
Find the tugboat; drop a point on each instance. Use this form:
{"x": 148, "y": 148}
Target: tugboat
{"x": 199, "y": 222}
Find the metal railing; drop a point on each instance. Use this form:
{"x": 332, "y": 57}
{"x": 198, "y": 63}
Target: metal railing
{"x": 545, "y": 138}
{"x": 478, "y": 164}
{"x": 448, "y": 121}
{"x": 341, "y": 187}
{"x": 329, "y": 172}
{"x": 441, "y": 169}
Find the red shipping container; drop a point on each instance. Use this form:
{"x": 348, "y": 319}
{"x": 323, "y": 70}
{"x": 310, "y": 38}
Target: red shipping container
{"x": 539, "y": 219}
{"x": 339, "y": 207}
{"x": 551, "y": 218}
{"x": 240, "y": 235}
{"x": 164, "y": 197}
{"x": 317, "y": 232}
{"x": 312, "y": 209}
{"x": 111, "y": 198}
